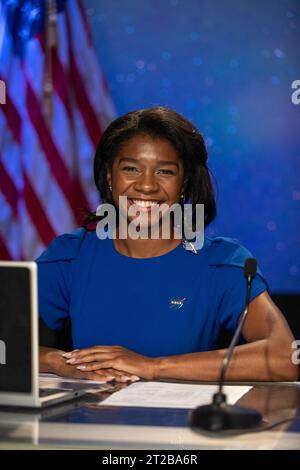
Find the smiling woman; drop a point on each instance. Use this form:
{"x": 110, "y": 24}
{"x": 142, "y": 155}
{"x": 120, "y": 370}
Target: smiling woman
{"x": 154, "y": 156}
{"x": 150, "y": 174}
{"x": 148, "y": 307}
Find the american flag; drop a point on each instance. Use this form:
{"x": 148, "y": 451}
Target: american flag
{"x": 57, "y": 106}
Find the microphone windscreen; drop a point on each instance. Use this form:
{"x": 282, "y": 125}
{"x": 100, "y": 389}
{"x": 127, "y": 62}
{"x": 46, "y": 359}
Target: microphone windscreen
{"x": 250, "y": 267}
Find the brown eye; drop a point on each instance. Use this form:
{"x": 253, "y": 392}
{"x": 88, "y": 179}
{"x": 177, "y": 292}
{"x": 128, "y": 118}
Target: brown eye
{"x": 166, "y": 172}
{"x": 130, "y": 169}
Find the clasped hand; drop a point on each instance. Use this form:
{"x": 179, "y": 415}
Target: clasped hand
{"x": 112, "y": 363}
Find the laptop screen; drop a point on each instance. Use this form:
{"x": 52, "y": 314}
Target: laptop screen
{"x": 15, "y": 330}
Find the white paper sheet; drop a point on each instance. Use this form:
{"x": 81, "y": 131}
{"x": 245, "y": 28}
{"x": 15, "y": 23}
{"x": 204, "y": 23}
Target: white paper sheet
{"x": 171, "y": 395}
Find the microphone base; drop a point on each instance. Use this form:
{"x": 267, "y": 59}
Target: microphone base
{"x": 223, "y": 419}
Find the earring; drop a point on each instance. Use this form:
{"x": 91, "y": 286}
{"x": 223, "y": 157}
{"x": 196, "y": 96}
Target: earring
{"x": 110, "y": 188}
{"x": 182, "y": 195}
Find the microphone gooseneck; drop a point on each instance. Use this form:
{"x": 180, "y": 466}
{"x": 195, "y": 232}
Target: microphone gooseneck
{"x": 249, "y": 274}
{"x": 219, "y": 416}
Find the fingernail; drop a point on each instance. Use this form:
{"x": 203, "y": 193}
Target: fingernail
{"x": 81, "y": 367}
{"x": 71, "y": 361}
{"x": 135, "y": 378}
{"x": 68, "y": 354}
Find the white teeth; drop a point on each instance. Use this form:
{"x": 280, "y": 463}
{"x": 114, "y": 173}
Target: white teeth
{"x": 145, "y": 203}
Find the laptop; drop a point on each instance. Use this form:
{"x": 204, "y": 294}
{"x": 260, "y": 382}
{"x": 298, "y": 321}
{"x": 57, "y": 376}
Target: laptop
{"x": 20, "y": 385}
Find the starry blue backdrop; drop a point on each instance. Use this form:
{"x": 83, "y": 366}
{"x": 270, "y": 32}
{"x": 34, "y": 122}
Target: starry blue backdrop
{"x": 227, "y": 66}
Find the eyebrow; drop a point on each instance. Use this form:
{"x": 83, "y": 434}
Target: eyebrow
{"x": 160, "y": 162}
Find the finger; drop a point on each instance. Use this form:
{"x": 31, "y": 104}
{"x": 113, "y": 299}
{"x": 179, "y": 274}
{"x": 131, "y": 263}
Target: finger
{"x": 92, "y": 350}
{"x": 117, "y": 375}
{"x": 99, "y": 376}
{"x": 106, "y": 375}
{"x": 93, "y": 366}
{"x": 105, "y": 371}
{"x": 92, "y": 357}
{"x": 70, "y": 371}
{"x": 122, "y": 377}
{"x": 116, "y": 366}
{"x": 110, "y": 364}
{"x": 70, "y": 353}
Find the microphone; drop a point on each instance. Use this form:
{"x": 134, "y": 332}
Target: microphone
{"x": 219, "y": 416}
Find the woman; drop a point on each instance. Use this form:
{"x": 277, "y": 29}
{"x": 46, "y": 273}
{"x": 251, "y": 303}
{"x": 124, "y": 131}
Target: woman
{"x": 148, "y": 307}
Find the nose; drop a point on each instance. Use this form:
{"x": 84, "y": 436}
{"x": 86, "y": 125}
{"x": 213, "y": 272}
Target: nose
{"x": 146, "y": 183}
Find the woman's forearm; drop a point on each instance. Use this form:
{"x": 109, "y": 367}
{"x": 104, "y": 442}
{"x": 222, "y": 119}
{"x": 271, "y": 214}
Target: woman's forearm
{"x": 256, "y": 361}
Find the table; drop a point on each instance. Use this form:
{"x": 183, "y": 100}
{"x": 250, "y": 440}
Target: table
{"x": 83, "y": 424}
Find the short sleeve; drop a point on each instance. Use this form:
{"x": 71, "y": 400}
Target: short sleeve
{"x": 229, "y": 259}
{"x": 55, "y": 277}
{"x": 234, "y": 296}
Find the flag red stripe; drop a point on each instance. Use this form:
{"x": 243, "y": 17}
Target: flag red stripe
{"x": 37, "y": 213}
{"x": 56, "y": 162}
{"x": 4, "y": 253}
{"x": 9, "y": 189}
{"x": 60, "y": 81}
{"x": 83, "y": 102}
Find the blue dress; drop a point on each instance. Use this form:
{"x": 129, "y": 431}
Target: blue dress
{"x": 171, "y": 304}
